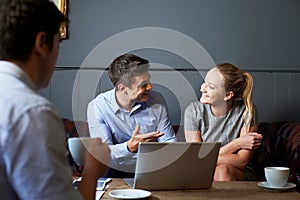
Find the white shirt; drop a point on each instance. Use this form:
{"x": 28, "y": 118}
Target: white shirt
{"x": 33, "y": 161}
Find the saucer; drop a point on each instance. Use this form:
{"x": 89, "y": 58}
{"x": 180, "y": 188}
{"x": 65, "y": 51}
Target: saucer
{"x": 129, "y": 194}
{"x": 287, "y": 186}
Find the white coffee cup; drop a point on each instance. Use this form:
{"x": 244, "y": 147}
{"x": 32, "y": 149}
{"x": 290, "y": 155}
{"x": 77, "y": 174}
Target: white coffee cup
{"x": 277, "y": 176}
{"x": 78, "y": 146}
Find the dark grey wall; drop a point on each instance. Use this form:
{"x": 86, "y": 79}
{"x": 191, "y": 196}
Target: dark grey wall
{"x": 258, "y": 34}
{"x": 262, "y": 36}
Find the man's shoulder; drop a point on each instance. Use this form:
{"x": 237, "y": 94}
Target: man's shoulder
{"x": 33, "y": 99}
{"x": 30, "y": 102}
{"x": 28, "y": 97}
{"x": 103, "y": 100}
{"x": 105, "y": 95}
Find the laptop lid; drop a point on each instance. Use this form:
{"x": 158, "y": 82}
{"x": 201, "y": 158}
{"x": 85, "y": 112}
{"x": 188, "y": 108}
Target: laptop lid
{"x": 176, "y": 165}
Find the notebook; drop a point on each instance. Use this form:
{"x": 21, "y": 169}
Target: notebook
{"x": 177, "y": 165}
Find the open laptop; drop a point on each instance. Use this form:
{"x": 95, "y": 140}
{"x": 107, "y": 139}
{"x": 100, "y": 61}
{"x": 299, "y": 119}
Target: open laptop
{"x": 177, "y": 165}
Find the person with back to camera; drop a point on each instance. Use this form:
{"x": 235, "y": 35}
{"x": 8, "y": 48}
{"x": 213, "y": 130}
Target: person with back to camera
{"x": 128, "y": 114}
{"x": 226, "y": 114}
{"x": 33, "y": 159}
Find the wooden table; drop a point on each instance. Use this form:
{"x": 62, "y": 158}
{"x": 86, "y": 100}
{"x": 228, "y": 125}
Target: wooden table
{"x": 220, "y": 190}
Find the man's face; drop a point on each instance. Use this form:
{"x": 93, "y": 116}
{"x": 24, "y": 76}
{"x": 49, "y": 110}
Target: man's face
{"x": 139, "y": 90}
{"x": 50, "y": 62}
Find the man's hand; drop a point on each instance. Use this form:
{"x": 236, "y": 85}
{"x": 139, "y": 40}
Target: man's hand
{"x": 250, "y": 141}
{"x": 137, "y": 137}
{"x": 97, "y": 158}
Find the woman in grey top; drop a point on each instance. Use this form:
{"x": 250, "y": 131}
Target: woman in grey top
{"x": 226, "y": 114}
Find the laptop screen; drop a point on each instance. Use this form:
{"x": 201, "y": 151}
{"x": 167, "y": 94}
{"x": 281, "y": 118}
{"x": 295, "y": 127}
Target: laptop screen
{"x": 177, "y": 165}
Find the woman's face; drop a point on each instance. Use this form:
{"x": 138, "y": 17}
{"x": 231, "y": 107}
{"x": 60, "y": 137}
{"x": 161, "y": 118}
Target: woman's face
{"x": 213, "y": 91}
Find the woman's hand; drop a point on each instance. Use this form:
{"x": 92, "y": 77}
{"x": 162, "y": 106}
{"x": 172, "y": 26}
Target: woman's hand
{"x": 250, "y": 140}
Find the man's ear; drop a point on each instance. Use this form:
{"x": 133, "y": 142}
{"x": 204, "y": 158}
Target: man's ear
{"x": 122, "y": 88}
{"x": 40, "y": 43}
{"x": 228, "y": 95}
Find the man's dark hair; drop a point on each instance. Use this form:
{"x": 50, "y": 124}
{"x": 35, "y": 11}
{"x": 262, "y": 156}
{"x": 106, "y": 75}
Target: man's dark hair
{"x": 21, "y": 21}
{"x": 125, "y": 67}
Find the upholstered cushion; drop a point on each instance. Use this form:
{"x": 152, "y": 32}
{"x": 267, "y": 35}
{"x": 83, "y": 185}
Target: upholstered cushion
{"x": 280, "y": 147}
{"x": 76, "y": 128}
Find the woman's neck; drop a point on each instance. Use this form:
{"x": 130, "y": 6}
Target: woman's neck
{"x": 222, "y": 109}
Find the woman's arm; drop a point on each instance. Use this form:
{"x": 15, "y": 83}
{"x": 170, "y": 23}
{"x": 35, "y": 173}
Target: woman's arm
{"x": 192, "y": 136}
{"x": 234, "y": 152}
{"x": 238, "y": 160}
{"x": 250, "y": 141}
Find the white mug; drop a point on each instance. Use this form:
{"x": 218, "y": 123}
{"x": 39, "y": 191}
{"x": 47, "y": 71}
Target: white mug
{"x": 78, "y": 146}
{"x": 277, "y": 176}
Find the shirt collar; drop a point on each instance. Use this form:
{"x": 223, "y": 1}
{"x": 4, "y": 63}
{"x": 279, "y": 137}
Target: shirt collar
{"x": 12, "y": 69}
{"x": 114, "y": 103}
{"x": 116, "y": 107}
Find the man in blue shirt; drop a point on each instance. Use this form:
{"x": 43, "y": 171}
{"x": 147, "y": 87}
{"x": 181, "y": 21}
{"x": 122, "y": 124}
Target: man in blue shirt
{"x": 129, "y": 114}
{"x": 33, "y": 159}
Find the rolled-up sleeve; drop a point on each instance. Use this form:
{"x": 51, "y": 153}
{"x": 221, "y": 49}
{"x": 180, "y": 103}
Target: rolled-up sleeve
{"x": 190, "y": 115}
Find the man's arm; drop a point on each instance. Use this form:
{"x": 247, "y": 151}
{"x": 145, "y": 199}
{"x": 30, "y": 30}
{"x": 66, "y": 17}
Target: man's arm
{"x": 97, "y": 159}
{"x": 98, "y": 128}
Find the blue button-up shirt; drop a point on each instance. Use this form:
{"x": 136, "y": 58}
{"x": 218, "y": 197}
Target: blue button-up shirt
{"x": 115, "y": 125}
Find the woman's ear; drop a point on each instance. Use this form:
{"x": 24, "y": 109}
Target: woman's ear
{"x": 228, "y": 95}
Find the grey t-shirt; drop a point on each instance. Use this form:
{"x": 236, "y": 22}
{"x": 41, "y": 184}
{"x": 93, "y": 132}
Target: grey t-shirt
{"x": 223, "y": 129}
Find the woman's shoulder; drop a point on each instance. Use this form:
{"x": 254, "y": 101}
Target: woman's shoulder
{"x": 197, "y": 106}
{"x": 240, "y": 104}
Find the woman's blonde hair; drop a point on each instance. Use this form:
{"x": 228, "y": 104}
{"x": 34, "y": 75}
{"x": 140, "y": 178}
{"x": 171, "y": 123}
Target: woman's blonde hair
{"x": 241, "y": 84}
